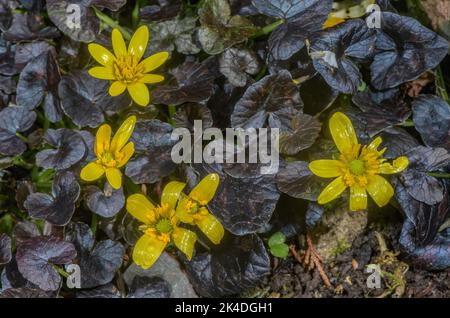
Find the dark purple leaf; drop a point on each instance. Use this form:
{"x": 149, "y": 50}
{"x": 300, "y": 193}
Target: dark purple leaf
{"x": 37, "y": 256}
{"x": 336, "y": 52}
{"x": 106, "y": 291}
{"x": 299, "y": 182}
{"x": 236, "y": 266}
{"x": 245, "y": 200}
{"x": 194, "y": 84}
{"x": 188, "y": 113}
{"x": 149, "y": 287}
{"x": 14, "y": 119}
{"x": 237, "y": 64}
{"x": 153, "y": 144}
{"x": 164, "y": 10}
{"x": 86, "y": 28}
{"x": 271, "y": 102}
{"x": 432, "y": 120}
{"x": 5, "y": 249}
{"x": 85, "y": 99}
{"x": 29, "y": 27}
{"x": 70, "y": 149}
{"x": 59, "y": 207}
{"x": 415, "y": 178}
{"x": 404, "y": 50}
{"x": 105, "y": 203}
{"x": 39, "y": 82}
{"x": 98, "y": 262}
{"x": 24, "y": 293}
{"x": 304, "y": 131}
{"x": 301, "y": 19}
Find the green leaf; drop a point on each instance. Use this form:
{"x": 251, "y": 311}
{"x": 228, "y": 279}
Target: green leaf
{"x": 277, "y": 245}
{"x": 276, "y": 239}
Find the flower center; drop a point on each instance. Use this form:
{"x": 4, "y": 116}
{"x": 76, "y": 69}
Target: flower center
{"x": 127, "y": 69}
{"x": 357, "y": 167}
{"x": 192, "y": 207}
{"x": 164, "y": 226}
{"x": 108, "y": 160}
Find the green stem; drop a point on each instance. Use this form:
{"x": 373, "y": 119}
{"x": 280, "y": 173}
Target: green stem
{"x": 172, "y": 111}
{"x": 61, "y": 271}
{"x": 440, "y": 84}
{"x": 268, "y": 28}
{"x": 19, "y": 162}
{"x": 441, "y": 175}
{"x": 135, "y": 14}
{"x": 22, "y": 137}
{"x": 112, "y": 23}
{"x": 407, "y": 123}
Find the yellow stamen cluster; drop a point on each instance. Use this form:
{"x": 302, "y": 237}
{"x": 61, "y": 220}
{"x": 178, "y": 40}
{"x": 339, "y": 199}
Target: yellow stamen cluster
{"x": 128, "y": 69}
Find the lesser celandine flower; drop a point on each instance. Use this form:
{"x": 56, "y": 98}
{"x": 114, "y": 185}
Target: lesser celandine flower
{"x": 111, "y": 154}
{"x": 125, "y": 68}
{"x": 357, "y": 167}
{"x": 192, "y": 208}
{"x": 160, "y": 226}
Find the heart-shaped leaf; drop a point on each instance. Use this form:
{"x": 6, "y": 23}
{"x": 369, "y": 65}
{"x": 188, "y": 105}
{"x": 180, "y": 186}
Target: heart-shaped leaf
{"x": 70, "y": 149}
{"x": 59, "y": 207}
{"x": 105, "y": 203}
{"x": 404, "y": 50}
{"x": 98, "y": 262}
{"x": 37, "y": 256}
{"x": 14, "y": 119}
{"x": 271, "y": 102}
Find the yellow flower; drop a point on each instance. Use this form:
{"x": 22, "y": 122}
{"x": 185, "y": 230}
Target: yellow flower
{"x": 111, "y": 154}
{"x": 192, "y": 208}
{"x": 125, "y": 68}
{"x": 332, "y": 21}
{"x": 358, "y": 168}
{"x": 160, "y": 226}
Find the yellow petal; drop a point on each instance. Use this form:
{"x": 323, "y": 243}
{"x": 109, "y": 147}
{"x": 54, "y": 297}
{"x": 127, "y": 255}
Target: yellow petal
{"x": 380, "y": 190}
{"x": 102, "y": 72}
{"x": 147, "y": 250}
{"x": 118, "y": 43}
{"x": 139, "y": 93}
{"x": 101, "y": 54}
{"x": 181, "y": 211}
{"x": 140, "y": 207}
{"x": 114, "y": 177}
{"x": 332, "y": 191}
{"x": 326, "y": 168}
{"x": 358, "y": 199}
{"x": 171, "y": 193}
{"x": 151, "y": 79}
{"x": 102, "y": 140}
{"x": 342, "y": 132}
{"x": 92, "y": 172}
{"x": 184, "y": 240}
{"x": 212, "y": 228}
{"x": 138, "y": 43}
{"x": 332, "y": 21}
{"x": 398, "y": 165}
{"x": 123, "y": 134}
{"x": 124, "y": 155}
{"x": 375, "y": 143}
{"x": 206, "y": 189}
{"x": 156, "y": 60}
{"x": 117, "y": 88}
